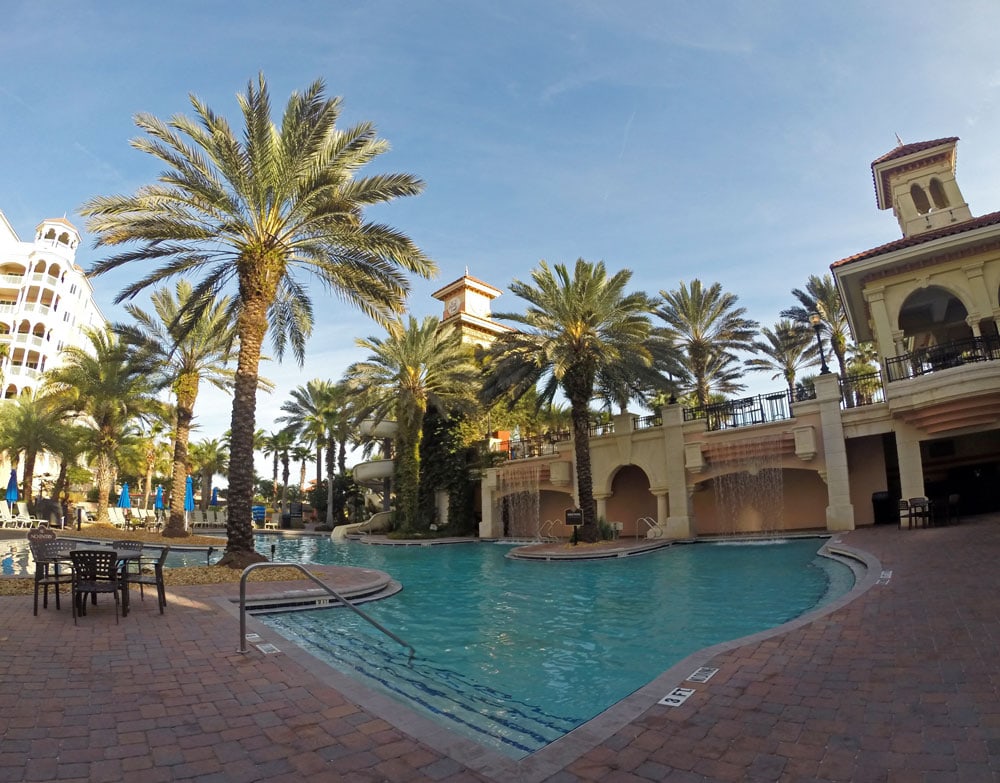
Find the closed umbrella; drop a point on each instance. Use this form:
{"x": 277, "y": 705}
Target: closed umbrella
{"x": 124, "y": 499}
{"x": 158, "y": 502}
{"x": 215, "y": 497}
{"x": 188, "y": 499}
{"x": 12, "y": 488}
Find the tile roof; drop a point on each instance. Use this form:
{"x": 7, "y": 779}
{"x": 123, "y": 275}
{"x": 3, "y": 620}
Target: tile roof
{"x": 993, "y": 218}
{"x": 908, "y": 149}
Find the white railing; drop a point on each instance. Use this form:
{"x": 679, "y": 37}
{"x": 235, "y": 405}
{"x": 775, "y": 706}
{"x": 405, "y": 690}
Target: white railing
{"x": 652, "y": 529}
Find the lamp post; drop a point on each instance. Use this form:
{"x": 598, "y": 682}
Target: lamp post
{"x": 817, "y": 324}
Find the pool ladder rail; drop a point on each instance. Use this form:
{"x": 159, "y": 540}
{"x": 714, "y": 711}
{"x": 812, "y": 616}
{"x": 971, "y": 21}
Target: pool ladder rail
{"x": 243, "y": 606}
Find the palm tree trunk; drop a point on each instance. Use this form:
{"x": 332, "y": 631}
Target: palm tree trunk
{"x": 29, "y": 475}
{"x": 239, "y": 522}
{"x": 330, "y": 456}
{"x": 580, "y": 416}
{"x": 187, "y": 393}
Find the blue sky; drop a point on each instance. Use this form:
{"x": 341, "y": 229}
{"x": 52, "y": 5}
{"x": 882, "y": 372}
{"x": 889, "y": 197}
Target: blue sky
{"x": 729, "y": 141}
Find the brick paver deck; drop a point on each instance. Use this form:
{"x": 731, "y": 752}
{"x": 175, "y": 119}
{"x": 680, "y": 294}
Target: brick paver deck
{"x": 900, "y": 684}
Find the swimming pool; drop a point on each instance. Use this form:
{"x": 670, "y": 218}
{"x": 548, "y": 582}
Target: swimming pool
{"x": 516, "y": 654}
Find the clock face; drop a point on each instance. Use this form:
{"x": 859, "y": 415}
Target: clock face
{"x": 453, "y": 305}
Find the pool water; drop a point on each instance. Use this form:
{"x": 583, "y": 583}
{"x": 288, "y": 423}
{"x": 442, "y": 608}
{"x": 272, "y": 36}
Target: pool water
{"x": 515, "y": 654}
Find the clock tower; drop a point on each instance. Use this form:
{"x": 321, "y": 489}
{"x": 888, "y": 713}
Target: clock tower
{"x": 467, "y": 308}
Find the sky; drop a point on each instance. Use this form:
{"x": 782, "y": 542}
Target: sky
{"x": 726, "y": 141}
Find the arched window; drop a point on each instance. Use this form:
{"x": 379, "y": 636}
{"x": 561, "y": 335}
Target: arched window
{"x": 63, "y": 238}
{"x": 920, "y": 200}
{"x": 938, "y": 195}
{"x": 50, "y": 234}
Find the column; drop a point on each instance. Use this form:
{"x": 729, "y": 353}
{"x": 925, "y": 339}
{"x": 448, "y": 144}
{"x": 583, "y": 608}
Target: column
{"x": 911, "y": 466}
{"x": 679, "y": 523}
{"x": 839, "y": 510}
{"x": 601, "y": 499}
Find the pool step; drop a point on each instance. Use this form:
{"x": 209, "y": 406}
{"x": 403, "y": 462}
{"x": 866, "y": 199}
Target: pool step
{"x": 315, "y": 598}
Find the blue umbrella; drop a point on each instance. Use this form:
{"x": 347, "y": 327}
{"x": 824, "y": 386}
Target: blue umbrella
{"x": 12, "y": 488}
{"x": 124, "y": 499}
{"x": 215, "y": 497}
{"x": 158, "y": 501}
{"x": 188, "y": 495}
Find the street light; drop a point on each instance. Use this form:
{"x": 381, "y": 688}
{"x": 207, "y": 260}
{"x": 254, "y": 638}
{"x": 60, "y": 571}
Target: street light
{"x": 817, "y": 324}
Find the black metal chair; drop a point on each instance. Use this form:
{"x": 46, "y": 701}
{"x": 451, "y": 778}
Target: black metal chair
{"x": 48, "y": 555}
{"x": 920, "y": 511}
{"x": 153, "y": 577}
{"x": 905, "y": 514}
{"x": 94, "y": 572}
{"x": 129, "y": 546}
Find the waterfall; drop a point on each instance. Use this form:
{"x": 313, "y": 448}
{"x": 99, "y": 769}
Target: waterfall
{"x": 517, "y": 500}
{"x": 750, "y": 498}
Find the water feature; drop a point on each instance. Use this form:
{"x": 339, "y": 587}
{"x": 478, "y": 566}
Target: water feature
{"x": 750, "y": 498}
{"x": 518, "y": 500}
{"x": 515, "y": 654}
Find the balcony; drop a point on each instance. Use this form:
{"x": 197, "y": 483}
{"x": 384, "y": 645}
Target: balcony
{"x": 746, "y": 412}
{"x": 942, "y": 357}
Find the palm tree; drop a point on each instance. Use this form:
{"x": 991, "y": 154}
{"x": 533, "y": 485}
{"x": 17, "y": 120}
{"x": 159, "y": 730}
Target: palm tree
{"x": 253, "y": 212}
{"x": 707, "y": 327}
{"x": 208, "y": 457}
{"x": 821, "y": 296}
{"x": 302, "y": 453}
{"x": 29, "y": 425}
{"x": 785, "y": 350}
{"x": 576, "y": 327}
{"x": 273, "y": 445}
{"x": 113, "y": 389}
{"x": 313, "y": 413}
{"x": 189, "y": 349}
{"x": 414, "y": 368}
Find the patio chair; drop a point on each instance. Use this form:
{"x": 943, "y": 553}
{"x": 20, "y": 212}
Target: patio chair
{"x": 129, "y": 546}
{"x": 904, "y": 514}
{"x": 153, "y": 577}
{"x": 41, "y": 533}
{"x": 49, "y": 555}
{"x": 920, "y": 511}
{"x": 94, "y": 572}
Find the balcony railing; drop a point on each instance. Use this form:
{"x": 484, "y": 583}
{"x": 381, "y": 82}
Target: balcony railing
{"x": 858, "y": 390}
{"x": 647, "y": 422}
{"x": 942, "y": 357}
{"x": 745, "y": 412}
{"x": 604, "y": 428}
{"x": 538, "y": 445}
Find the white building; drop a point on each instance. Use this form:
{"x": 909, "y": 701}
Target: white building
{"x": 46, "y": 302}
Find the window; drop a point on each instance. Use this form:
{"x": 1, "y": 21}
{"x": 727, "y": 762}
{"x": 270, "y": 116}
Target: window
{"x": 938, "y": 195}
{"x": 920, "y": 200}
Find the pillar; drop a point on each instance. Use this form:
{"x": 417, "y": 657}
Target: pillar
{"x": 839, "y": 510}
{"x": 911, "y": 466}
{"x": 677, "y": 511}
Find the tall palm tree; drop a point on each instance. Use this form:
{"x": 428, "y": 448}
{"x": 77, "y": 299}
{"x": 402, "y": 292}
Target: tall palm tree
{"x": 707, "y": 326}
{"x": 821, "y": 296}
{"x": 29, "y": 425}
{"x": 785, "y": 350}
{"x": 113, "y": 388}
{"x": 416, "y": 367}
{"x": 190, "y": 346}
{"x": 208, "y": 457}
{"x": 251, "y": 212}
{"x": 302, "y": 453}
{"x": 577, "y": 326}
{"x": 312, "y": 413}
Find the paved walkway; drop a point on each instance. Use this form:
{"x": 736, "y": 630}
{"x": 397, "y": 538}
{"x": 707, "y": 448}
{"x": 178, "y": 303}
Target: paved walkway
{"x": 900, "y": 684}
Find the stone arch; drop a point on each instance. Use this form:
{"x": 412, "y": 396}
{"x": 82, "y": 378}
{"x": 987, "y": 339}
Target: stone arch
{"x": 920, "y": 200}
{"x": 938, "y": 195}
{"x": 933, "y": 316}
{"x": 630, "y": 500}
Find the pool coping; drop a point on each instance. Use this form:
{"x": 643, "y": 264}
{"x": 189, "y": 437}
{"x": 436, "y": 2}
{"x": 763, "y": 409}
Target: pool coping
{"x": 555, "y": 756}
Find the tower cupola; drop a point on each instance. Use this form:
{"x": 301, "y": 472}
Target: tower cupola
{"x": 917, "y": 181}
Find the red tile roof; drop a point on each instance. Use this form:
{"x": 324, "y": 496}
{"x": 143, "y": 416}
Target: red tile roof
{"x": 908, "y": 149}
{"x": 993, "y": 218}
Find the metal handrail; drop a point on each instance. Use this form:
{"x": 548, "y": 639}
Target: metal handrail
{"x": 327, "y": 588}
{"x": 651, "y": 525}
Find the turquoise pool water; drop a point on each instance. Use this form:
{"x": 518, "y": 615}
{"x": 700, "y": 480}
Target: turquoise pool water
{"x": 515, "y": 654}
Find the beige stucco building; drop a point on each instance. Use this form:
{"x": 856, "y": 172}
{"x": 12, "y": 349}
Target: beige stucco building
{"x": 927, "y": 425}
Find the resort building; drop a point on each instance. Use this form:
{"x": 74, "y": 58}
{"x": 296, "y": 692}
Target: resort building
{"x": 926, "y": 425}
{"x": 46, "y": 302}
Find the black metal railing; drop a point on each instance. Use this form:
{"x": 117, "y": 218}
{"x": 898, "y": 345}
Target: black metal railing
{"x": 647, "y": 422}
{"x": 745, "y": 412}
{"x": 942, "y": 357}
{"x": 859, "y": 390}
{"x": 537, "y": 445}
{"x": 602, "y": 428}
